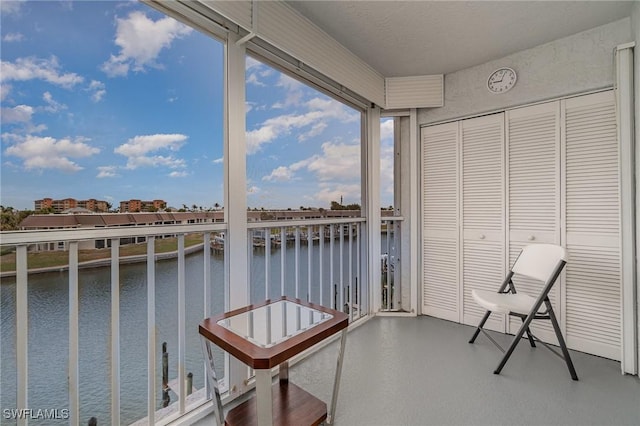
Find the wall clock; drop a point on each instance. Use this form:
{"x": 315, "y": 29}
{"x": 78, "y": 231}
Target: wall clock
{"x": 501, "y": 80}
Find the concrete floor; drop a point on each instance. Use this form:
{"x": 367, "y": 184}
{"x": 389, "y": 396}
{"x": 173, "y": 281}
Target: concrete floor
{"x": 422, "y": 371}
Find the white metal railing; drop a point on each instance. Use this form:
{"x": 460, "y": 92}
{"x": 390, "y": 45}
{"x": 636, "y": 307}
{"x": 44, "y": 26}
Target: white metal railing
{"x": 319, "y": 260}
{"x": 23, "y": 239}
{"x": 390, "y": 285}
{"x": 333, "y": 262}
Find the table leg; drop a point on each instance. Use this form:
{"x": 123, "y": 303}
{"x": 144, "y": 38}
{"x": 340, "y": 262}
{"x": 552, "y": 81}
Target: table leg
{"x": 264, "y": 397}
{"x": 283, "y": 375}
{"x": 213, "y": 381}
{"x": 336, "y": 382}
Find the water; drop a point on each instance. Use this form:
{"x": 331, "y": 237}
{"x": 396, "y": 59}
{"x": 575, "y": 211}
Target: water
{"x": 48, "y": 300}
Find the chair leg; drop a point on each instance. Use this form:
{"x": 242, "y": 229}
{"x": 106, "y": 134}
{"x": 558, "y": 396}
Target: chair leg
{"x": 563, "y": 346}
{"x": 529, "y": 336}
{"x": 524, "y": 327}
{"x": 484, "y": 319}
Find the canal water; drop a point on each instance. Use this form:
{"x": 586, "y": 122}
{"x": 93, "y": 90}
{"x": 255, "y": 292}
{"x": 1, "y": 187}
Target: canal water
{"x": 48, "y": 313}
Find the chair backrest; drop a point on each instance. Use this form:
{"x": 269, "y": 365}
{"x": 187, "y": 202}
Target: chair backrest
{"x": 539, "y": 261}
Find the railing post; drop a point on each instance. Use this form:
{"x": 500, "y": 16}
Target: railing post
{"x": 331, "y": 272}
{"x": 22, "y": 330}
{"x": 74, "y": 337}
{"x": 297, "y": 262}
{"x": 341, "y": 269}
{"x": 181, "y": 323}
{"x": 309, "y": 260}
{"x": 283, "y": 250}
{"x": 151, "y": 331}
{"x": 115, "y": 330}
{"x": 321, "y": 262}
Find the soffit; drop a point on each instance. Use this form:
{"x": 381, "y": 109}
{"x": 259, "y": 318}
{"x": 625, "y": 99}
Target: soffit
{"x": 406, "y": 38}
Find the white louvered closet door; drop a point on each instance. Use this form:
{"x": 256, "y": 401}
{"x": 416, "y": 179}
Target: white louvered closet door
{"x": 482, "y": 209}
{"x": 533, "y": 196}
{"x": 592, "y": 211}
{"x": 440, "y": 293}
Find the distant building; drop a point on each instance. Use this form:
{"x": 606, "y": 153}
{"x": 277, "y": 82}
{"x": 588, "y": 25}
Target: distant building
{"x": 102, "y": 220}
{"x": 94, "y": 205}
{"x": 59, "y": 206}
{"x": 45, "y": 203}
{"x": 134, "y": 206}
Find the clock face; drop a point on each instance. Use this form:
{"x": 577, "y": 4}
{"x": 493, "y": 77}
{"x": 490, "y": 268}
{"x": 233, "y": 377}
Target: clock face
{"x": 501, "y": 80}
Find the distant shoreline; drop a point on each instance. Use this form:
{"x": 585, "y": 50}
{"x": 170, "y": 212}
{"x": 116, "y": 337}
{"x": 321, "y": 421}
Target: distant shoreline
{"x": 99, "y": 263}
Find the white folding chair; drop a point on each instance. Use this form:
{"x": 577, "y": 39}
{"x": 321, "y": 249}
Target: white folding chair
{"x": 543, "y": 262}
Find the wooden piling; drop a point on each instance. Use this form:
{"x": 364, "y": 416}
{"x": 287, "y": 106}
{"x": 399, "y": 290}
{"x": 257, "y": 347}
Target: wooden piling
{"x": 165, "y": 366}
{"x": 165, "y": 376}
{"x": 189, "y": 383}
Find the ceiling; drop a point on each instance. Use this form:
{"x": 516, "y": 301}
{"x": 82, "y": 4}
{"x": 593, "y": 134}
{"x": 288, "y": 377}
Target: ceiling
{"x": 406, "y": 38}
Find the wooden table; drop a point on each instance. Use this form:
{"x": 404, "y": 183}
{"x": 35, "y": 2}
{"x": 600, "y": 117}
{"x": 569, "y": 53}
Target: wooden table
{"x": 267, "y": 335}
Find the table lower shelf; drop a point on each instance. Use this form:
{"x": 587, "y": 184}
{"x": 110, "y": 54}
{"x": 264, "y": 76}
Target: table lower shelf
{"x": 292, "y": 405}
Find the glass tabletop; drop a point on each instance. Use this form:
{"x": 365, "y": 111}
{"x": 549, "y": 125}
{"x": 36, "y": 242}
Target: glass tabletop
{"x": 268, "y": 325}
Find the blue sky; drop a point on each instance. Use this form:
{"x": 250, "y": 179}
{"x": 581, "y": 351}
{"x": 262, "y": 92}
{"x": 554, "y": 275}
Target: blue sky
{"x": 113, "y": 101}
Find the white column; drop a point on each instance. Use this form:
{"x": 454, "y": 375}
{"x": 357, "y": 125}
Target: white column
{"x": 625, "y": 100}
{"x": 409, "y": 178}
{"x": 371, "y": 170}
{"x": 236, "y": 255}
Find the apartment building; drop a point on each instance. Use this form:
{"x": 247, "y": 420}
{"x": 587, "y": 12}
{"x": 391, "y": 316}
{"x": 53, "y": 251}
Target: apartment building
{"x": 133, "y": 206}
{"x": 59, "y": 206}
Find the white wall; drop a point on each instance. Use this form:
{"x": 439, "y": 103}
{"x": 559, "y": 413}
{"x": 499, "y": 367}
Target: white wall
{"x": 574, "y": 64}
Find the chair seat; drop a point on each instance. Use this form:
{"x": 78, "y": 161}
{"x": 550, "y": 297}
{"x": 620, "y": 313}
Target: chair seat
{"x": 504, "y": 303}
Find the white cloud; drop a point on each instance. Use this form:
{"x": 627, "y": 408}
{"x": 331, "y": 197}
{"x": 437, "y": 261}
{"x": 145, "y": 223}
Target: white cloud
{"x": 338, "y": 161}
{"x": 337, "y": 169}
{"x": 31, "y": 68}
{"x": 284, "y": 173}
{"x": 52, "y": 104}
{"x": 279, "y": 174}
{"x": 5, "y": 89}
{"x": 9, "y": 7}
{"x": 252, "y": 190}
{"x": 141, "y": 145}
{"x": 386, "y": 169}
{"x": 155, "y": 161}
{"x": 141, "y": 40}
{"x": 98, "y": 89}
{"x": 218, "y": 160}
{"x": 320, "y": 111}
{"x": 178, "y": 174}
{"x": 251, "y": 63}
{"x": 107, "y": 172}
{"x": 17, "y": 114}
{"x": 316, "y": 130}
{"x": 13, "y": 37}
{"x": 252, "y": 78}
{"x": 293, "y": 90}
{"x": 386, "y": 131}
{"x": 50, "y": 153}
{"x": 138, "y": 148}
{"x": 350, "y": 193}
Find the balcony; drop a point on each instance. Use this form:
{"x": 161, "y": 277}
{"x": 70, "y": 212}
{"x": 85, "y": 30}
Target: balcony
{"x": 417, "y": 370}
{"x": 88, "y": 339}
